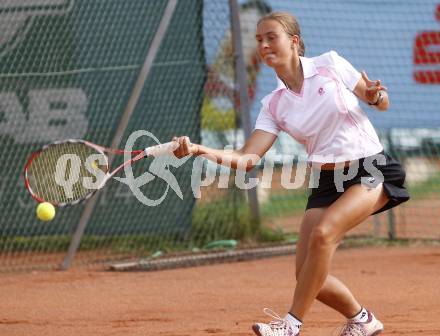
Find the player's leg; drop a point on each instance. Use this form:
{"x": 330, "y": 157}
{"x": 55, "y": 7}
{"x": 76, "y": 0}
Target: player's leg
{"x": 354, "y": 206}
{"x": 333, "y": 292}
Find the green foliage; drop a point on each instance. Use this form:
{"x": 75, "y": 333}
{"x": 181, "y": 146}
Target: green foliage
{"x": 53, "y": 243}
{"x": 425, "y": 188}
{"x": 215, "y": 119}
{"x": 290, "y": 203}
{"x": 267, "y": 235}
{"x": 232, "y": 220}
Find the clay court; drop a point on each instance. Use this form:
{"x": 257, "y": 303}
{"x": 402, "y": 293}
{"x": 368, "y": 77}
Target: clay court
{"x": 400, "y": 284}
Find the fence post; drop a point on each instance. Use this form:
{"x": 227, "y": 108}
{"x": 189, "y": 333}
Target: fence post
{"x": 391, "y": 221}
{"x": 244, "y": 108}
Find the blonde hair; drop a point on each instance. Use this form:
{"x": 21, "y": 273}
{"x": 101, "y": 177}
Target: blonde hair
{"x": 290, "y": 25}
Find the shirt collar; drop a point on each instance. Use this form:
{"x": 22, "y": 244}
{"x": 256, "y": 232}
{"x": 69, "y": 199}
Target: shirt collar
{"x": 309, "y": 70}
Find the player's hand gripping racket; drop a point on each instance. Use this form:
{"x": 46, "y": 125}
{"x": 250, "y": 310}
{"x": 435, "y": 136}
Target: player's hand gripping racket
{"x": 68, "y": 172}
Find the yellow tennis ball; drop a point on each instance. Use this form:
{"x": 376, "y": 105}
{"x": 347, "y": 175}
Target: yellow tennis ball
{"x": 45, "y": 211}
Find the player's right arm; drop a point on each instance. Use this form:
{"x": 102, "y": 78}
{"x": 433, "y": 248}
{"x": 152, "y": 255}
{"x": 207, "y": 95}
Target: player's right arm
{"x": 244, "y": 158}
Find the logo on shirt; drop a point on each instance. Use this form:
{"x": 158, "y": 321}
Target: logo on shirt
{"x": 321, "y": 91}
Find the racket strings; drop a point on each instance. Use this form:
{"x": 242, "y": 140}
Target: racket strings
{"x": 57, "y": 174}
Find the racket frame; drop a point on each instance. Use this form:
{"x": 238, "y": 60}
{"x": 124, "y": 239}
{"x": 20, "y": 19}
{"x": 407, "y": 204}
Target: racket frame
{"x": 138, "y": 154}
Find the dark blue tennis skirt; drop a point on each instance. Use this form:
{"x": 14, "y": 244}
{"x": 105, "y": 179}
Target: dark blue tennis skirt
{"x": 329, "y": 188}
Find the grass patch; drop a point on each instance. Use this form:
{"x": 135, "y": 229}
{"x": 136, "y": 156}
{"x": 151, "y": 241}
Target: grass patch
{"x": 267, "y": 235}
{"x": 293, "y": 202}
{"x": 221, "y": 219}
{"x": 429, "y": 186}
{"x": 115, "y": 244}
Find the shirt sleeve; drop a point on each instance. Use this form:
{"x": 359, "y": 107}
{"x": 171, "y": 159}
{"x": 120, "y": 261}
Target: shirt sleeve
{"x": 266, "y": 121}
{"x": 349, "y": 75}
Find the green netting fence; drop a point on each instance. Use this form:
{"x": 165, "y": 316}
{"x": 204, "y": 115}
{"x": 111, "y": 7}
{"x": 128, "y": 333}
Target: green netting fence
{"x": 68, "y": 69}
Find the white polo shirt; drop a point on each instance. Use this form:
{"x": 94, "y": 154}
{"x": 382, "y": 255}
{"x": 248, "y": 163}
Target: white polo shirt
{"x": 325, "y": 116}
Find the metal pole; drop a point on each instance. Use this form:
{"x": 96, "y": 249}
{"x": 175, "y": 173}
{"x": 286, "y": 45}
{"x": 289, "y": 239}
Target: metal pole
{"x": 391, "y": 225}
{"x": 242, "y": 88}
{"x": 136, "y": 93}
{"x": 391, "y": 221}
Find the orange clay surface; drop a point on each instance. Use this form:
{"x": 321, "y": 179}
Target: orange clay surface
{"x": 400, "y": 284}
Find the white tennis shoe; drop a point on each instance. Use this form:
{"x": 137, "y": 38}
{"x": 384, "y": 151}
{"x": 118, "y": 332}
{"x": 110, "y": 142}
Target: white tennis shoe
{"x": 277, "y": 327}
{"x": 372, "y": 327}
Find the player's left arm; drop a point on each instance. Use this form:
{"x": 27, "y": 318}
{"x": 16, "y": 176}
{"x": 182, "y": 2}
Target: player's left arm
{"x": 372, "y": 93}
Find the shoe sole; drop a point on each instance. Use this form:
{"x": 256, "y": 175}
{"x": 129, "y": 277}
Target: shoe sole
{"x": 377, "y": 332}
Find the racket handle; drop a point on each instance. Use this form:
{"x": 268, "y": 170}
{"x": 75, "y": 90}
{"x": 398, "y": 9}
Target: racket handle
{"x": 165, "y": 148}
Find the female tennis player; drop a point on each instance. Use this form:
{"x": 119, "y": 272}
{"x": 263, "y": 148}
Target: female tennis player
{"x": 317, "y": 103}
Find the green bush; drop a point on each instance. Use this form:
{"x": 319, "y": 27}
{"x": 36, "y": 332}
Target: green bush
{"x": 224, "y": 219}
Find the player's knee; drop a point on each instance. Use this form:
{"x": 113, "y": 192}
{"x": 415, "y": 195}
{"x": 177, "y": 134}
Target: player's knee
{"x": 321, "y": 238}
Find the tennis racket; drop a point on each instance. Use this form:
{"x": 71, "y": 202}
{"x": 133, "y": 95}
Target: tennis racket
{"x": 70, "y": 171}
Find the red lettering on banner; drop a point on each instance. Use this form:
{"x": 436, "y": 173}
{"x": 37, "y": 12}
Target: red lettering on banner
{"x": 427, "y": 53}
